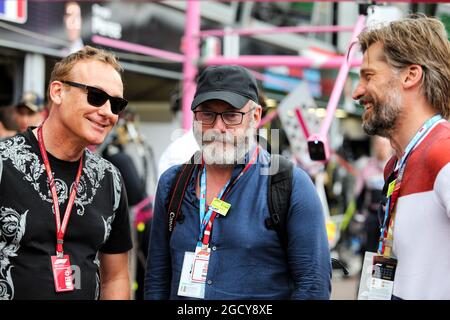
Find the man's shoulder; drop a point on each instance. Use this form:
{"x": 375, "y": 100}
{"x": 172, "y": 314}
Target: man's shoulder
{"x": 301, "y": 175}
{"x": 12, "y": 139}
{"x": 298, "y": 174}
{"x": 438, "y": 149}
{"x": 438, "y": 156}
{"x": 95, "y": 161}
{"x": 166, "y": 181}
{"x": 168, "y": 176}
{"x": 11, "y": 146}
{"x": 431, "y": 156}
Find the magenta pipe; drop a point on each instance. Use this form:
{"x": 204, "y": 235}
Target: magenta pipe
{"x": 268, "y": 118}
{"x": 270, "y": 61}
{"x": 298, "y": 29}
{"x": 191, "y": 51}
{"x": 137, "y": 48}
{"x": 302, "y": 122}
{"x": 340, "y": 80}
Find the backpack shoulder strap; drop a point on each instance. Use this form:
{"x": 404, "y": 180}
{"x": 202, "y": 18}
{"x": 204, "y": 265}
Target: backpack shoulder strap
{"x": 279, "y": 195}
{"x": 177, "y": 192}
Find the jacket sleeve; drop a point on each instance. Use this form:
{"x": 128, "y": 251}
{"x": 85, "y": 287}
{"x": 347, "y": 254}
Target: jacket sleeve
{"x": 308, "y": 250}
{"x": 159, "y": 268}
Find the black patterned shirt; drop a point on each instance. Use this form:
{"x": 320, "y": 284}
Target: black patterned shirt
{"x": 99, "y": 222}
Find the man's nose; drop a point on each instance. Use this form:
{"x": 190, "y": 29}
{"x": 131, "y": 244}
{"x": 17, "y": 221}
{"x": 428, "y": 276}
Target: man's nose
{"x": 358, "y": 92}
{"x": 219, "y": 124}
{"x": 106, "y": 108}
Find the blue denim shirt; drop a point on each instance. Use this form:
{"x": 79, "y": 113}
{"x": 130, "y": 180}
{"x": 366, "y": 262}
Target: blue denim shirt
{"x": 247, "y": 260}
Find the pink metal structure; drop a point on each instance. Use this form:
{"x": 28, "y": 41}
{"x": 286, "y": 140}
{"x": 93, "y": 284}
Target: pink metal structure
{"x": 302, "y": 122}
{"x": 270, "y": 61}
{"x": 191, "y": 48}
{"x": 137, "y": 48}
{"x": 190, "y": 60}
{"x": 342, "y": 76}
{"x": 317, "y": 143}
{"x": 298, "y": 29}
{"x": 268, "y": 118}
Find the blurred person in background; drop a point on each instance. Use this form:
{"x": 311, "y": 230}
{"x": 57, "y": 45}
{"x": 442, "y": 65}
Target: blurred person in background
{"x": 72, "y": 25}
{"x": 8, "y": 126}
{"x": 29, "y": 111}
{"x": 368, "y": 191}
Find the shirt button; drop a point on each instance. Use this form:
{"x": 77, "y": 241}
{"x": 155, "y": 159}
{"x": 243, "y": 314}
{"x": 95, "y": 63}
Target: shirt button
{"x": 214, "y": 248}
{"x": 209, "y": 282}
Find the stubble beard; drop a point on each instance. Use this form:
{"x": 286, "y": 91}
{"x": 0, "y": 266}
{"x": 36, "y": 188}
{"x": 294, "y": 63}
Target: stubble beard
{"x": 383, "y": 117}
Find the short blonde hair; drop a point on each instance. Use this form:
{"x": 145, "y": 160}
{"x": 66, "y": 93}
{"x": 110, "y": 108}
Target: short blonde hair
{"x": 62, "y": 69}
{"x": 419, "y": 40}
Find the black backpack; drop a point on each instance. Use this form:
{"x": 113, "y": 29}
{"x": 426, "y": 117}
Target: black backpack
{"x": 278, "y": 195}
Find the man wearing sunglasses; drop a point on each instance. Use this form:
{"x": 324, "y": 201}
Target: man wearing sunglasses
{"x": 221, "y": 247}
{"x": 64, "y": 228}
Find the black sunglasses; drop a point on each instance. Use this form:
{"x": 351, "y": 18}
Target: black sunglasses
{"x": 98, "y": 97}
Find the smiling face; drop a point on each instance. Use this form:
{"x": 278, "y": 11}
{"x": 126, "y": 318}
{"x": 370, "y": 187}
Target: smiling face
{"x": 379, "y": 91}
{"x": 85, "y": 122}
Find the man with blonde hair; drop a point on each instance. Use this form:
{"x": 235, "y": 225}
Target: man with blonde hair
{"x": 405, "y": 90}
{"x": 64, "y": 229}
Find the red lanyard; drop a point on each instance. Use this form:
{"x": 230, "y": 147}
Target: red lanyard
{"x": 60, "y": 229}
{"x": 208, "y": 228}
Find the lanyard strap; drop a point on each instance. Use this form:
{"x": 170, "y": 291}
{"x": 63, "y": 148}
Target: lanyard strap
{"x": 387, "y": 230}
{"x": 207, "y": 219}
{"x": 60, "y": 229}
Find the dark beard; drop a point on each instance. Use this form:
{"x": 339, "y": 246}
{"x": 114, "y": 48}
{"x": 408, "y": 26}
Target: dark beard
{"x": 379, "y": 127}
{"x": 383, "y": 119}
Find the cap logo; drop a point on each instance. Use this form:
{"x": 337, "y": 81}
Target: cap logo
{"x": 219, "y": 77}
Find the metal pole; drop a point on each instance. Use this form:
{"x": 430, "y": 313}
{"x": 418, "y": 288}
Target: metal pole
{"x": 191, "y": 55}
{"x": 138, "y": 48}
{"x": 331, "y": 62}
{"x": 298, "y": 29}
{"x": 317, "y": 143}
{"x": 340, "y": 80}
{"x": 302, "y": 122}
{"x": 268, "y": 118}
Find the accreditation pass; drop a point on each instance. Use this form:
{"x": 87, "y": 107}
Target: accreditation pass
{"x": 194, "y": 272}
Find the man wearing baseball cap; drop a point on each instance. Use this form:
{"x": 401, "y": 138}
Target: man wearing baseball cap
{"x": 221, "y": 247}
{"x": 29, "y": 111}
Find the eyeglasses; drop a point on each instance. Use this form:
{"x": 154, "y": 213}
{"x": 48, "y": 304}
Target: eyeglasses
{"x": 97, "y": 97}
{"x": 230, "y": 118}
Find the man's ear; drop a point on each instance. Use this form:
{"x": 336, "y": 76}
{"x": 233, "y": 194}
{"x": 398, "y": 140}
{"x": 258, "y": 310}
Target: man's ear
{"x": 257, "y": 115}
{"x": 412, "y": 76}
{"x": 55, "y": 92}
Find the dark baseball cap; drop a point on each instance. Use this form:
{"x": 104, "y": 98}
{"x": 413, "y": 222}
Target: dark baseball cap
{"x": 31, "y": 101}
{"x": 232, "y": 84}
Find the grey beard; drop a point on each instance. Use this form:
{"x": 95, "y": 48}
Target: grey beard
{"x": 225, "y": 149}
{"x": 228, "y": 151}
